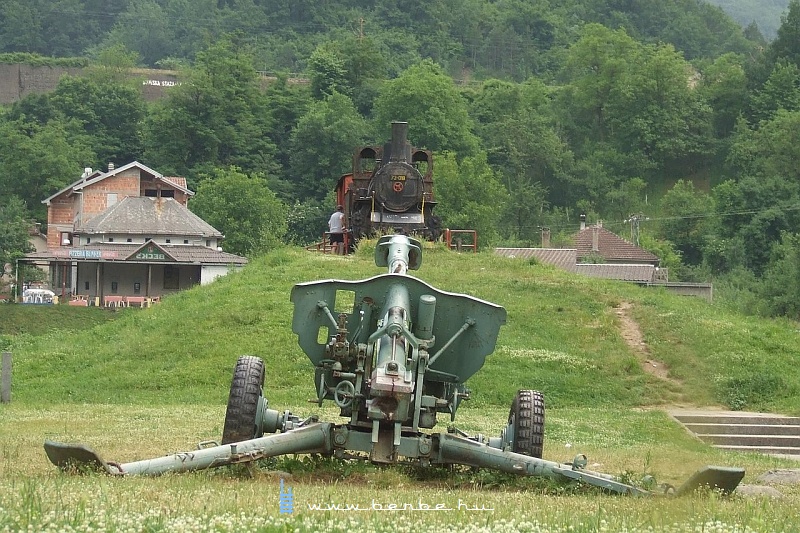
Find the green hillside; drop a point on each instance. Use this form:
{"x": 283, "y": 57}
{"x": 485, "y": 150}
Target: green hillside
{"x": 563, "y": 337}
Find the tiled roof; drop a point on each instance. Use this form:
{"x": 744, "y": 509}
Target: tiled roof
{"x": 148, "y": 216}
{"x": 123, "y": 168}
{"x": 642, "y": 273}
{"x": 611, "y": 247}
{"x": 182, "y": 253}
{"x": 561, "y": 257}
{"x": 180, "y": 182}
{"x": 97, "y": 175}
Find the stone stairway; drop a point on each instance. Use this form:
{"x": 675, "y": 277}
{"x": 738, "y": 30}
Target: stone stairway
{"x": 744, "y": 432}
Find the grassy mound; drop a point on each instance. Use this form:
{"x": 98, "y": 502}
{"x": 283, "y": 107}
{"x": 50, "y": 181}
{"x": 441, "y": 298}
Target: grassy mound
{"x": 563, "y": 337}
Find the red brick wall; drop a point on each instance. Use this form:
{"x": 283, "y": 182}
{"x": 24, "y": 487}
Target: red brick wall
{"x": 95, "y": 196}
{"x": 60, "y": 214}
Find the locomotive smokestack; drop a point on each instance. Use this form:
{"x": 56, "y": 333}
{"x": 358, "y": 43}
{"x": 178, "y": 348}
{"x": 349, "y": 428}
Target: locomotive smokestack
{"x": 399, "y": 136}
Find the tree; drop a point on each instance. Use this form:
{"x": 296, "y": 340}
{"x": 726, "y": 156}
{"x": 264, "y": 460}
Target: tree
{"x": 426, "y": 98}
{"x": 56, "y": 28}
{"x": 145, "y": 28}
{"x": 14, "y": 227}
{"x": 216, "y": 118}
{"x": 780, "y": 288}
{"x": 101, "y": 112}
{"x": 322, "y": 145}
{"x": 723, "y": 86}
{"x": 658, "y": 114}
{"x": 109, "y": 113}
{"x": 762, "y": 202}
{"x": 635, "y": 103}
{"x": 38, "y": 160}
{"x": 787, "y": 44}
{"x": 684, "y": 211}
{"x": 595, "y": 70}
{"x": 286, "y": 103}
{"x": 781, "y": 91}
{"x": 518, "y": 130}
{"x": 326, "y": 71}
{"x": 243, "y": 208}
{"x": 468, "y": 193}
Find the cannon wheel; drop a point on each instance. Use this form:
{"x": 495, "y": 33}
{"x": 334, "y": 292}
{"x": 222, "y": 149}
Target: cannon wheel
{"x": 246, "y": 389}
{"x": 527, "y": 419}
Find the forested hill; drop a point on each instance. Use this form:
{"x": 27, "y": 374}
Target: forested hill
{"x": 766, "y": 14}
{"x": 663, "y": 119}
{"x": 507, "y": 38}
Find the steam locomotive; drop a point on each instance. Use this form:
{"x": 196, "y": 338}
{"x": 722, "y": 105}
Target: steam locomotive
{"x": 390, "y": 190}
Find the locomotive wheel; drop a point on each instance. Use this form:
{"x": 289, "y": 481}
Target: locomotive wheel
{"x": 246, "y": 391}
{"x": 527, "y": 419}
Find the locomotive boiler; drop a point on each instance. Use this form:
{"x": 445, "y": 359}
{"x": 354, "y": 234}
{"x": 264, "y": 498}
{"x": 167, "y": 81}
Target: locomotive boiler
{"x": 390, "y": 189}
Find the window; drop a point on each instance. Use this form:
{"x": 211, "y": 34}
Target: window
{"x": 185, "y": 241}
{"x": 88, "y": 240}
{"x": 129, "y": 239}
{"x": 114, "y": 286}
{"x": 137, "y": 288}
{"x": 86, "y": 285}
{"x": 111, "y": 239}
{"x": 168, "y": 193}
{"x": 111, "y": 199}
{"x": 152, "y": 193}
{"x": 171, "y": 277}
{"x": 66, "y": 238}
{"x": 208, "y": 243}
{"x": 168, "y": 241}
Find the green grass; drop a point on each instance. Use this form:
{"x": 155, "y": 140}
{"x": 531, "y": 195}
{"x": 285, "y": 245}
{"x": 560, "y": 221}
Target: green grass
{"x": 562, "y": 337}
{"x": 34, "y": 496}
{"x": 139, "y": 383}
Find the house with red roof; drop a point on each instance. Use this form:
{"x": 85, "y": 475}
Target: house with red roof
{"x": 599, "y": 253}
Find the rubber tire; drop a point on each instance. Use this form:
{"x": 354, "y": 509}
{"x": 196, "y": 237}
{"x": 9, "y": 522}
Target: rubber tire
{"x": 527, "y": 417}
{"x": 246, "y": 389}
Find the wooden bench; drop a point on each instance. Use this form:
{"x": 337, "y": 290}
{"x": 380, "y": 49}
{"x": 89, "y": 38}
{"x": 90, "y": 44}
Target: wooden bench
{"x": 114, "y": 301}
{"x": 139, "y": 301}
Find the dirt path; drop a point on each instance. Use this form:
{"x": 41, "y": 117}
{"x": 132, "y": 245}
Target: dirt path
{"x": 633, "y": 336}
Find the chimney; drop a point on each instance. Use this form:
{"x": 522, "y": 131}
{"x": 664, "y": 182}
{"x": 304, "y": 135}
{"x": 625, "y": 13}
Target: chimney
{"x": 399, "y": 142}
{"x": 110, "y": 167}
{"x": 545, "y": 237}
{"x": 583, "y": 222}
{"x": 596, "y": 238}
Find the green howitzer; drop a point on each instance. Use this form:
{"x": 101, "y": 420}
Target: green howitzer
{"x": 393, "y": 353}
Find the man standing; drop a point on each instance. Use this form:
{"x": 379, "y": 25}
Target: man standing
{"x": 336, "y": 227}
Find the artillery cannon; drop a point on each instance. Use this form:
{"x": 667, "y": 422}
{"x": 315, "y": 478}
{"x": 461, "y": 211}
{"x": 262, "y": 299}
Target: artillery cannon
{"x": 392, "y": 353}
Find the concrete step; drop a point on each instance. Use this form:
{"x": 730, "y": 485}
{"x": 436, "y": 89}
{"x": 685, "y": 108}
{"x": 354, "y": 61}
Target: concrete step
{"x": 726, "y": 417}
{"x": 753, "y": 440}
{"x": 743, "y": 429}
{"x": 744, "y": 432}
{"x": 790, "y": 452}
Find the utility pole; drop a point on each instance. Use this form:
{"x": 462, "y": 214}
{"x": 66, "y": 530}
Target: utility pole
{"x": 635, "y": 220}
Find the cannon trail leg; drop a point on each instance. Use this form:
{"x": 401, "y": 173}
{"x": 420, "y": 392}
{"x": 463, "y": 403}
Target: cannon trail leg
{"x": 315, "y": 438}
